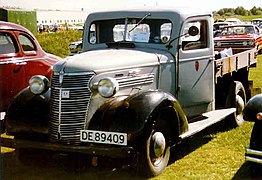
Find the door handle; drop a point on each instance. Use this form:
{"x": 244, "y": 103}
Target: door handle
{"x": 21, "y": 63}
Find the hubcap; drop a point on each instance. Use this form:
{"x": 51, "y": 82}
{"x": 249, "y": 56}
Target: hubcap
{"x": 240, "y": 104}
{"x": 159, "y": 143}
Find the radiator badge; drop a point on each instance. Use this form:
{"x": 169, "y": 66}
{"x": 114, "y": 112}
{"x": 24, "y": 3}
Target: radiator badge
{"x": 65, "y": 94}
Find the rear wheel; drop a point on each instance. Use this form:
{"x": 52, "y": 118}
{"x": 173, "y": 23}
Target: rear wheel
{"x": 238, "y": 102}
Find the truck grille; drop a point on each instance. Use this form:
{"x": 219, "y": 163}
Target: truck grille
{"x": 70, "y": 95}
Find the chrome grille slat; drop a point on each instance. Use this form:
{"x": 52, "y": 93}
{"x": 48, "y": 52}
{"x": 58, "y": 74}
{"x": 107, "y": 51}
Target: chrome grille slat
{"x": 233, "y": 43}
{"x": 74, "y": 93}
{"x": 68, "y": 113}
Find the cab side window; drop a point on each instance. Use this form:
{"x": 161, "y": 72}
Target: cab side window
{"x": 195, "y": 42}
{"x": 26, "y": 43}
{"x": 7, "y": 44}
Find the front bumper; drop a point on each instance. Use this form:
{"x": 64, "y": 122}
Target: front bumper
{"x": 91, "y": 149}
{"x": 253, "y": 155}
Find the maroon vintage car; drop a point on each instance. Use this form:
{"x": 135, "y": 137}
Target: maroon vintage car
{"x": 239, "y": 37}
{"x": 21, "y": 57}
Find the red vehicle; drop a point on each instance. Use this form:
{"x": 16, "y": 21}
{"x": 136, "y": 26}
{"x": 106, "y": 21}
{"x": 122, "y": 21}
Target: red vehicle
{"x": 21, "y": 57}
{"x": 239, "y": 37}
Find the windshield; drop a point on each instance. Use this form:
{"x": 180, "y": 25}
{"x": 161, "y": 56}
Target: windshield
{"x": 130, "y": 30}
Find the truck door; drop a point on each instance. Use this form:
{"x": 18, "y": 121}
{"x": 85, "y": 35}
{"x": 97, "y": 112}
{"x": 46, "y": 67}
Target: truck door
{"x": 196, "y": 67}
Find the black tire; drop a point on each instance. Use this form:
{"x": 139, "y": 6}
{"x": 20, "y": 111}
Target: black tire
{"x": 238, "y": 101}
{"x": 152, "y": 161}
{"x": 155, "y": 145}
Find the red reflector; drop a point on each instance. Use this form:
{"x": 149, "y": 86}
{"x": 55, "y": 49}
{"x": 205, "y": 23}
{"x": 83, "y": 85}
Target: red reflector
{"x": 259, "y": 116}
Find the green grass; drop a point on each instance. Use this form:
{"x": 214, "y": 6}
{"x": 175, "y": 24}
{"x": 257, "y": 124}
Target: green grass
{"x": 243, "y": 18}
{"x": 255, "y": 74}
{"x": 212, "y": 155}
{"x": 58, "y": 43}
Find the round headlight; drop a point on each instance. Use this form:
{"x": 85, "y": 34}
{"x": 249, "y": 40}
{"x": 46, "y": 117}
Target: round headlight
{"x": 38, "y": 84}
{"x": 244, "y": 43}
{"x": 251, "y": 43}
{"x": 107, "y": 87}
{"x": 218, "y": 43}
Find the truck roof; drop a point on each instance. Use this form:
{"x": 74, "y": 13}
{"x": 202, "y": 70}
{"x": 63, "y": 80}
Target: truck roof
{"x": 184, "y": 12}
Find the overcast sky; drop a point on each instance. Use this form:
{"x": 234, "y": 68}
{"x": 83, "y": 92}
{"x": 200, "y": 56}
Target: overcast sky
{"x": 209, "y": 5}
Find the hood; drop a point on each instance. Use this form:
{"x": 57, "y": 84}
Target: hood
{"x": 235, "y": 37}
{"x": 107, "y": 60}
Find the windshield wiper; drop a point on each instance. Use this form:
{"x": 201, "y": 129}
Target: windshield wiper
{"x": 139, "y": 22}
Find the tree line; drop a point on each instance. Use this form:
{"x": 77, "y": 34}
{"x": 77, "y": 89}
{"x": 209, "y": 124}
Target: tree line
{"x": 239, "y": 11}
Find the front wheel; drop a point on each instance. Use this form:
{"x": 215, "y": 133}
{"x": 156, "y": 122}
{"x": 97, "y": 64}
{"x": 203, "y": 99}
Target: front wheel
{"x": 155, "y": 155}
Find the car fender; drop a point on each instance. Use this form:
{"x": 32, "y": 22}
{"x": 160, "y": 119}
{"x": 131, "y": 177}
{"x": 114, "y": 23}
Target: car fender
{"x": 28, "y": 113}
{"x": 134, "y": 114}
{"x": 253, "y": 106}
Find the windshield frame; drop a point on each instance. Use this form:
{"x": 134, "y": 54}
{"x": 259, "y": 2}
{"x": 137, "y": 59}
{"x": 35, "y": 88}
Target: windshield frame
{"x": 132, "y": 30}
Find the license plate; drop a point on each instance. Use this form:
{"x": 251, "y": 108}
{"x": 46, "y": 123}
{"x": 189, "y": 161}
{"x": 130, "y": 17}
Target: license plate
{"x": 103, "y": 137}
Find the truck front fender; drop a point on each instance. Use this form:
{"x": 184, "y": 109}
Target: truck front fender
{"x": 136, "y": 113}
{"x": 28, "y": 113}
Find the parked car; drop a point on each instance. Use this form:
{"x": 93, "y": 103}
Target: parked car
{"x": 21, "y": 57}
{"x": 75, "y": 47}
{"x": 76, "y": 27}
{"x": 218, "y": 26}
{"x": 256, "y": 21}
{"x": 233, "y": 20}
{"x": 239, "y": 37}
{"x": 260, "y": 27}
{"x": 253, "y": 112}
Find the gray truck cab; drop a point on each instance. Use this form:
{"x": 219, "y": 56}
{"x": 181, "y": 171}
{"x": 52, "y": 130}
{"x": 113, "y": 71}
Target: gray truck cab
{"x": 188, "y": 57}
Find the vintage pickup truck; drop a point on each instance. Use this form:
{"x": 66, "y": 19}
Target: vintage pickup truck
{"x": 146, "y": 79}
{"x": 21, "y": 57}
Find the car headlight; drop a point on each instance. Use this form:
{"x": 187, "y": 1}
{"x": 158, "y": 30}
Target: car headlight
{"x": 107, "y": 87}
{"x": 218, "y": 43}
{"x": 244, "y": 43}
{"x": 38, "y": 84}
{"x": 251, "y": 43}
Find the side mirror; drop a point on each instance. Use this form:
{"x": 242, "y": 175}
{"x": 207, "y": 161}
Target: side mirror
{"x": 193, "y": 31}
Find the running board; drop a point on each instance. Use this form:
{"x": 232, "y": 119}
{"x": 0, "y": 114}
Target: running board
{"x": 212, "y": 117}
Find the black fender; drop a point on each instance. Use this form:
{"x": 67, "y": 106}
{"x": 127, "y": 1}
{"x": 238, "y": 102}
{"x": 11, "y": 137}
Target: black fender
{"x": 253, "y": 106}
{"x": 28, "y": 113}
{"x": 256, "y": 136}
{"x": 135, "y": 114}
